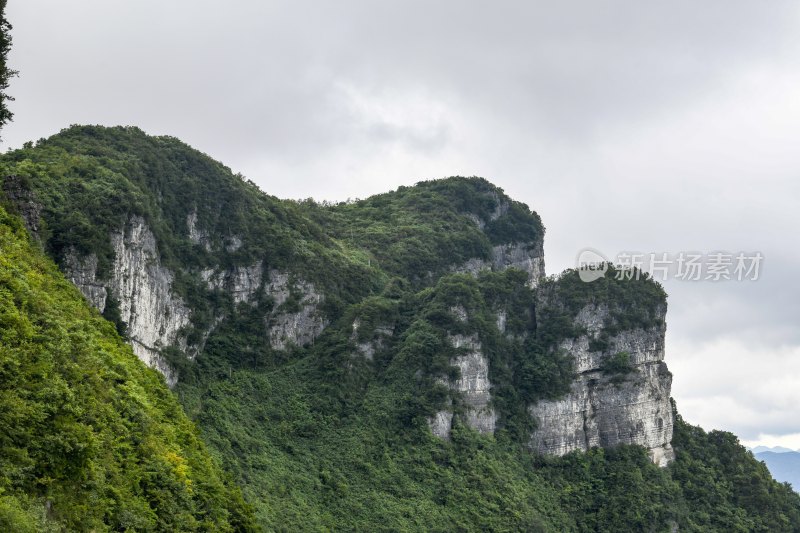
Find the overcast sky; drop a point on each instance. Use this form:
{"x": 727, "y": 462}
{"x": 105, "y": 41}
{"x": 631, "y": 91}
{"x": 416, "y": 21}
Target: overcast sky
{"x": 629, "y": 126}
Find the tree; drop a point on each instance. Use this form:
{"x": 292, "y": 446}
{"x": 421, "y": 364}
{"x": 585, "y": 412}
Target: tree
{"x": 5, "y": 73}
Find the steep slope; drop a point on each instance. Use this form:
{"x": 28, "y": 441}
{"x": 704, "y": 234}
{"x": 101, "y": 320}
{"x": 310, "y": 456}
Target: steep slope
{"x": 398, "y": 362}
{"x": 90, "y": 439}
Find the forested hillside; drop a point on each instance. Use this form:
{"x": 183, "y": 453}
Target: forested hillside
{"x": 89, "y": 437}
{"x": 319, "y": 347}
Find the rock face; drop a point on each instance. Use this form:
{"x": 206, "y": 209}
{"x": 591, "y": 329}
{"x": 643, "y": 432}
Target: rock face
{"x": 155, "y": 317}
{"x": 242, "y": 283}
{"x": 377, "y": 339}
{"x": 473, "y": 387}
{"x": 82, "y": 271}
{"x": 526, "y": 256}
{"x": 605, "y": 409}
{"x": 143, "y": 289}
{"x": 296, "y": 318}
{"x": 24, "y": 202}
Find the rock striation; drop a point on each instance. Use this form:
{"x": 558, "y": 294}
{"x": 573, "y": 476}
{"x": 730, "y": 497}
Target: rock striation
{"x": 604, "y": 408}
{"x": 154, "y": 315}
{"x": 472, "y": 388}
{"x": 528, "y": 257}
{"x": 296, "y": 318}
{"x": 157, "y": 318}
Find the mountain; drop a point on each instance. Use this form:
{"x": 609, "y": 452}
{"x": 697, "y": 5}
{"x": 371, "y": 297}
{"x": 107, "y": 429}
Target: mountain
{"x": 90, "y": 438}
{"x": 395, "y": 363}
{"x": 773, "y": 449}
{"x": 784, "y": 466}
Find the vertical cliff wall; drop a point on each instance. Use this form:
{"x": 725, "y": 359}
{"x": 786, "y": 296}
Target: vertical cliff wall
{"x": 472, "y": 386}
{"x": 157, "y": 317}
{"x": 621, "y": 393}
{"x": 154, "y": 316}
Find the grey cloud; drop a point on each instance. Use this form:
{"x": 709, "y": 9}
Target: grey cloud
{"x": 628, "y": 125}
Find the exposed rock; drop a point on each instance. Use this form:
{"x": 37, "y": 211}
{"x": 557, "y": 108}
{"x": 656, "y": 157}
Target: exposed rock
{"x": 473, "y": 386}
{"x": 242, "y": 283}
{"x": 606, "y": 410}
{"x": 441, "y": 423}
{"x": 297, "y": 324}
{"x": 24, "y": 202}
{"x": 154, "y": 316}
{"x": 459, "y": 312}
{"x": 376, "y": 342}
{"x": 196, "y": 235}
{"x": 143, "y": 288}
{"x": 232, "y": 244}
{"x": 524, "y": 256}
{"x": 528, "y": 257}
{"x": 82, "y": 272}
{"x": 477, "y": 220}
{"x": 502, "y": 318}
{"x": 500, "y": 208}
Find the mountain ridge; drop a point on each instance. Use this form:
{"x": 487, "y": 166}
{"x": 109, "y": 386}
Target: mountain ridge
{"x": 377, "y": 363}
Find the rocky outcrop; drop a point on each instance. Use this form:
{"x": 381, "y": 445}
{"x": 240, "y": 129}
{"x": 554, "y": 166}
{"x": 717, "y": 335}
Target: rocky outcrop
{"x": 157, "y": 318}
{"x": 82, "y": 272}
{"x": 473, "y": 389}
{"x": 375, "y": 342}
{"x": 296, "y": 318}
{"x": 154, "y": 315}
{"x": 605, "y": 408}
{"x": 22, "y": 200}
{"x": 528, "y": 257}
{"x": 242, "y": 283}
{"x": 197, "y": 235}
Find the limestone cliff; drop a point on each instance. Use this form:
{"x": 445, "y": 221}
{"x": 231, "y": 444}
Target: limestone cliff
{"x": 527, "y": 256}
{"x": 189, "y": 256}
{"x": 155, "y": 317}
{"x": 472, "y": 386}
{"x": 21, "y": 199}
{"x": 608, "y": 405}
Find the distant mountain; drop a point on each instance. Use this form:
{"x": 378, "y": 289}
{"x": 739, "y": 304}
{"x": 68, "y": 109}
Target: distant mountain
{"x": 774, "y": 449}
{"x": 784, "y": 466}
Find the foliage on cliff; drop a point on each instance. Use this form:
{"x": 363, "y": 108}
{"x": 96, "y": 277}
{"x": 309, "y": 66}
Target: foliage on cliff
{"x": 90, "y": 439}
{"x": 335, "y": 435}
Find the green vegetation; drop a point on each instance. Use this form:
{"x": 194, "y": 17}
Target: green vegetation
{"x": 727, "y": 489}
{"x": 5, "y": 72}
{"x": 419, "y": 232}
{"x": 90, "y": 439}
{"x": 632, "y": 300}
{"x": 333, "y": 435}
{"x": 714, "y": 485}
